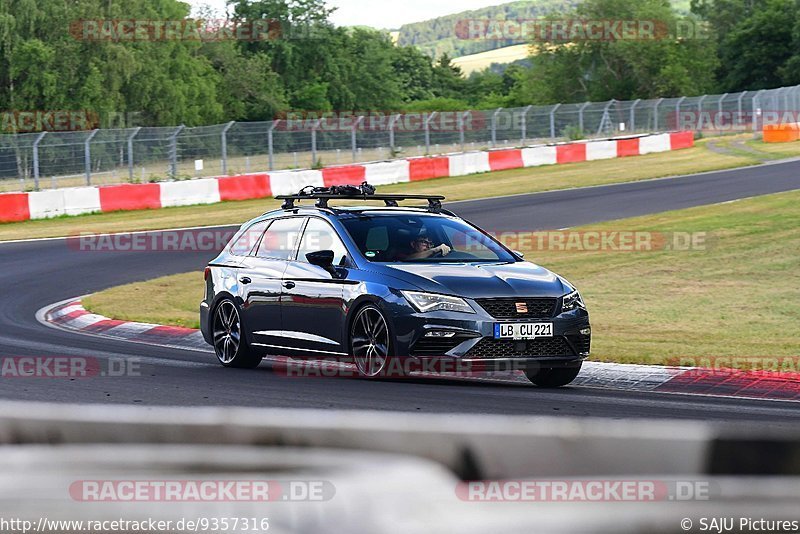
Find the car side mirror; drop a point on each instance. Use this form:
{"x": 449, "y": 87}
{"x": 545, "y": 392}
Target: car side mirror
{"x": 518, "y": 253}
{"x": 321, "y": 258}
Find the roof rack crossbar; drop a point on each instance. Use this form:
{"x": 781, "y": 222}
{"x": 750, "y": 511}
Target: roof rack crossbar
{"x": 434, "y": 201}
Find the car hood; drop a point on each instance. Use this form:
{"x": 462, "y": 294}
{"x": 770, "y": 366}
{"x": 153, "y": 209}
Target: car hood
{"x": 481, "y": 280}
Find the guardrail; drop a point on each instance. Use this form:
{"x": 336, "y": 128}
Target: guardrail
{"x": 383, "y": 472}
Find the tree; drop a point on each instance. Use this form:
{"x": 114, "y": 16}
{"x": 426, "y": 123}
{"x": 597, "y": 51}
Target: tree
{"x": 758, "y": 41}
{"x": 448, "y": 80}
{"x": 622, "y": 69}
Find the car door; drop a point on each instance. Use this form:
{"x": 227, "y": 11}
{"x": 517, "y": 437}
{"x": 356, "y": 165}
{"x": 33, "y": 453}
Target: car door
{"x": 312, "y": 306}
{"x": 261, "y": 280}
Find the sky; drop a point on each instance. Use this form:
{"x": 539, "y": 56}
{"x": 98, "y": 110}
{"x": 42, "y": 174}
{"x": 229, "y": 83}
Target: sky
{"x": 386, "y": 14}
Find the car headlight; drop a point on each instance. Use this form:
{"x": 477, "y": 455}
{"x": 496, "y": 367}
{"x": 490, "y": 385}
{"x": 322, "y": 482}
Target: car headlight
{"x": 573, "y": 301}
{"x": 427, "y": 302}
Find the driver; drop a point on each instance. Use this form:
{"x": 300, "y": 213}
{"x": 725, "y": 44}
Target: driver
{"x": 422, "y": 247}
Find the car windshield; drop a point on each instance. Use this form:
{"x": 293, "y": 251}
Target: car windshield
{"x": 408, "y": 237}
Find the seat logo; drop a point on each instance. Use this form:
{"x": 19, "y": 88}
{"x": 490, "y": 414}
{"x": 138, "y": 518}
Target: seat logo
{"x": 522, "y": 307}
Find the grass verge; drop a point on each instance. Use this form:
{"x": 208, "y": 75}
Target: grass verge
{"x": 740, "y": 296}
{"x": 687, "y": 161}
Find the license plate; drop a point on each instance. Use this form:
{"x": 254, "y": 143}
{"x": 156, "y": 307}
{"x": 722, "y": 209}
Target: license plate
{"x": 522, "y": 330}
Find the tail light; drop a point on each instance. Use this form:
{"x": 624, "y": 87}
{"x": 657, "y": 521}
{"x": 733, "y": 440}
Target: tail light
{"x": 207, "y": 273}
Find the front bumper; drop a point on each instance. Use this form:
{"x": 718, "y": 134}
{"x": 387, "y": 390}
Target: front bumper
{"x": 473, "y": 345}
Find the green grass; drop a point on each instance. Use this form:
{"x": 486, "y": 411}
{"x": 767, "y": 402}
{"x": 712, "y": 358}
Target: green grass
{"x": 738, "y": 297}
{"x": 692, "y": 160}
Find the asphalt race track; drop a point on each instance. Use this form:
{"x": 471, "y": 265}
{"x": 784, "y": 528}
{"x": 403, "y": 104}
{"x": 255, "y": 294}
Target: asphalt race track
{"x": 38, "y": 273}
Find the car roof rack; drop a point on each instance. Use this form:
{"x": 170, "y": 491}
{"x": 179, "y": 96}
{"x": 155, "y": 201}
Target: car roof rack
{"x": 434, "y": 201}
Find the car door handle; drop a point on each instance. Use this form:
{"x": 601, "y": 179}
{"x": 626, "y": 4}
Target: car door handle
{"x": 245, "y": 280}
{"x": 289, "y": 285}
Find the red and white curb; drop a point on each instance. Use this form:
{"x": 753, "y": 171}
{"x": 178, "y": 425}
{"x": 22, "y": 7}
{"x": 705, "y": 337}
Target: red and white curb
{"x": 764, "y": 385}
{"x": 23, "y": 206}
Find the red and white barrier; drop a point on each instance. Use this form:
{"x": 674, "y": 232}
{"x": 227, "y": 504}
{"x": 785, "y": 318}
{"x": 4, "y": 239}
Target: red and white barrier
{"x": 539, "y": 155}
{"x": 388, "y": 172}
{"x": 469, "y": 163}
{"x": 601, "y": 150}
{"x": 290, "y": 182}
{"x": 75, "y": 201}
{"x": 655, "y": 143}
{"x": 244, "y": 187}
{"x": 190, "y": 192}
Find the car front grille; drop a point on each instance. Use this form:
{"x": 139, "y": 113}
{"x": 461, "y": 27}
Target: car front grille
{"x": 537, "y": 308}
{"x": 489, "y": 348}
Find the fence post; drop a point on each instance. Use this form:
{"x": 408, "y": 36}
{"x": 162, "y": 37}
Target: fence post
{"x": 757, "y": 110}
{"x": 580, "y": 116}
{"x": 225, "y": 147}
{"x": 739, "y": 103}
{"x": 173, "y": 151}
{"x": 606, "y": 117}
{"x": 633, "y": 114}
{"x": 699, "y": 122}
{"x": 461, "y": 137}
{"x": 525, "y": 124}
{"x": 392, "y": 121}
{"x": 354, "y": 136}
{"x": 36, "y": 160}
{"x": 428, "y": 120}
{"x": 719, "y": 109}
{"x": 314, "y": 142}
{"x": 130, "y": 153}
{"x": 270, "y": 146}
{"x": 655, "y": 114}
{"x": 87, "y": 157}
{"x": 719, "y": 104}
{"x": 553, "y": 121}
{"x": 494, "y": 126}
{"x": 678, "y": 108}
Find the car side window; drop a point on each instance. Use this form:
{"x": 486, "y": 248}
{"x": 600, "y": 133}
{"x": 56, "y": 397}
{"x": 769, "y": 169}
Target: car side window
{"x": 320, "y": 235}
{"x": 280, "y": 239}
{"x": 244, "y": 245}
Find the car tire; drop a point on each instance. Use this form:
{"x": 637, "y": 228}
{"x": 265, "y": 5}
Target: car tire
{"x": 554, "y": 377}
{"x": 230, "y": 343}
{"x": 370, "y": 341}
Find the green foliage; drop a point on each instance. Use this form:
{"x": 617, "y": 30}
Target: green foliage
{"x": 44, "y": 67}
{"x": 759, "y": 42}
{"x": 436, "y": 37}
{"x": 316, "y": 66}
{"x": 438, "y": 104}
{"x": 625, "y": 69}
{"x": 573, "y": 133}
